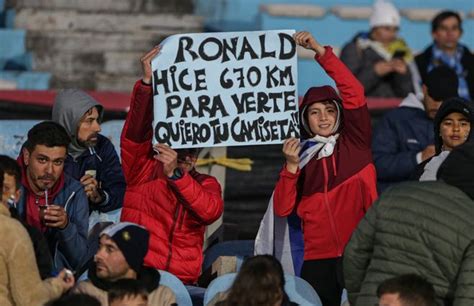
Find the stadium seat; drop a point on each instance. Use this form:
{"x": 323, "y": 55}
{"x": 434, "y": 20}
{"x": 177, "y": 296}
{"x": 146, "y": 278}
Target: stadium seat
{"x": 169, "y": 280}
{"x": 13, "y": 134}
{"x": 298, "y": 290}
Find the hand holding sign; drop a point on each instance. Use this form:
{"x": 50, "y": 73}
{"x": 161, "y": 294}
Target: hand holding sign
{"x": 306, "y": 40}
{"x": 168, "y": 157}
{"x": 146, "y": 64}
{"x": 223, "y": 89}
{"x": 291, "y": 151}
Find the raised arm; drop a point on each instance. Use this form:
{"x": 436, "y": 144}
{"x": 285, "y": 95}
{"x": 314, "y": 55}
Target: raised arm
{"x": 356, "y": 115}
{"x": 135, "y": 143}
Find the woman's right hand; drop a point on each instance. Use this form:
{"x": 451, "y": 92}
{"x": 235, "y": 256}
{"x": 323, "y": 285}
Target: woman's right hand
{"x": 146, "y": 64}
{"x": 291, "y": 151}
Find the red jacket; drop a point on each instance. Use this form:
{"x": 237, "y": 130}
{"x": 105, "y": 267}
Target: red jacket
{"x": 175, "y": 212}
{"x": 331, "y": 195}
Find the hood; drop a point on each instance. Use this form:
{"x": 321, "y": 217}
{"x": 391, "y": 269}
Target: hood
{"x": 69, "y": 107}
{"x": 319, "y": 94}
{"x": 458, "y": 168}
{"x": 148, "y": 277}
{"x": 452, "y": 105}
{"x": 412, "y": 101}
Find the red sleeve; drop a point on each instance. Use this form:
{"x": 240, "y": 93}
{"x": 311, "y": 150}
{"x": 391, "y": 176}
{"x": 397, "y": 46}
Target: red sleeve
{"x": 203, "y": 197}
{"x": 138, "y": 163}
{"x": 357, "y": 124}
{"x": 284, "y": 196}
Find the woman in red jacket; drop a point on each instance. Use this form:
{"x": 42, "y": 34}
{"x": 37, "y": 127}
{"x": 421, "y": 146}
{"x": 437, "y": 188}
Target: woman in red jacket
{"x": 329, "y": 178}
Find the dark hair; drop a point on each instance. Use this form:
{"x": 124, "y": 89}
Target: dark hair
{"x": 436, "y": 22}
{"x": 11, "y": 167}
{"x": 47, "y": 133}
{"x": 76, "y": 299}
{"x": 412, "y": 289}
{"x": 442, "y": 83}
{"x": 126, "y": 288}
{"x": 260, "y": 281}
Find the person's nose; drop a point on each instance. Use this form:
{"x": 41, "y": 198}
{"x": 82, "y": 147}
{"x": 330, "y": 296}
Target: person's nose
{"x": 97, "y": 127}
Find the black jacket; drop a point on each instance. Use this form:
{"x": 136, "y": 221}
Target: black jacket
{"x": 423, "y": 60}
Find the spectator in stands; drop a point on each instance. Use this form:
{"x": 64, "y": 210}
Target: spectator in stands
{"x": 452, "y": 128}
{"x": 91, "y": 158}
{"x": 406, "y": 290}
{"x": 260, "y": 281}
{"x": 122, "y": 249}
{"x": 52, "y": 201}
{"x": 329, "y": 178}
{"x": 404, "y": 137}
{"x": 20, "y": 282}
{"x": 11, "y": 195}
{"x": 379, "y": 59}
{"x": 164, "y": 188}
{"x": 446, "y": 30}
{"x": 419, "y": 227}
{"x": 75, "y": 300}
{"x": 127, "y": 292}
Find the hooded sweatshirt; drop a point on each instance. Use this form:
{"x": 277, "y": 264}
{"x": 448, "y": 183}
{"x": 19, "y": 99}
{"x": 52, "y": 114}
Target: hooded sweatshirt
{"x": 452, "y": 105}
{"x": 69, "y": 107}
{"x": 427, "y": 170}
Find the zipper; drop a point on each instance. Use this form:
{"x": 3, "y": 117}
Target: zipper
{"x": 328, "y": 208}
{"x": 170, "y": 237}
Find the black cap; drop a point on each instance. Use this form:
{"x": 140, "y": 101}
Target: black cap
{"x": 132, "y": 239}
{"x": 452, "y": 105}
{"x": 442, "y": 83}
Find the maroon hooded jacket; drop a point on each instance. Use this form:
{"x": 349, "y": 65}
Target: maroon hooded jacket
{"x": 331, "y": 195}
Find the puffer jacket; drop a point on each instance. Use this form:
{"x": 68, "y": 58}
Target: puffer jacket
{"x": 175, "y": 212}
{"x": 425, "y": 228}
{"x": 332, "y": 194}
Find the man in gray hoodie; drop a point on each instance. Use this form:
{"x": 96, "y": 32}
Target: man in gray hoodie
{"x": 92, "y": 158}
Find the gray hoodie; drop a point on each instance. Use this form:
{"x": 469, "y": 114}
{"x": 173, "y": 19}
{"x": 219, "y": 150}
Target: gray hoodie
{"x": 69, "y": 107}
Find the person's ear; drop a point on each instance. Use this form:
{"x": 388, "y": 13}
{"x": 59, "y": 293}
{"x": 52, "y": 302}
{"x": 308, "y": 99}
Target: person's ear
{"x": 17, "y": 195}
{"x": 26, "y": 156}
{"x": 424, "y": 89}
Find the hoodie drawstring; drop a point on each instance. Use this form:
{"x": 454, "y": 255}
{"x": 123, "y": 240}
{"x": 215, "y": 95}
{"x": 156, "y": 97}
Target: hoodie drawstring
{"x": 334, "y": 169}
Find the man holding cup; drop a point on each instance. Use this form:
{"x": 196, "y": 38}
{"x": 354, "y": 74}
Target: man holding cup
{"x": 52, "y": 201}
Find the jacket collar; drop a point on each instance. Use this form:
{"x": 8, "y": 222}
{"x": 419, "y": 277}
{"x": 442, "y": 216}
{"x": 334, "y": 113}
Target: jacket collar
{"x": 149, "y": 277}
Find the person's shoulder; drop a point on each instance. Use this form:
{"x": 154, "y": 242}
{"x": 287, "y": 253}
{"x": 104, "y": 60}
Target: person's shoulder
{"x": 71, "y": 184}
{"x": 104, "y": 144}
{"x": 87, "y": 287}
{"x": 162, "y": 295}
{"x": 424, "y": 55}
{"x": 403, "y": 114}
{"x": 11, "y": 225}
{"x": 201, "y": 177}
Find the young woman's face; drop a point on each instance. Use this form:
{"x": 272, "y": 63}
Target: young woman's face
{"x": 454, "y": 130}
{"x": 322, "y": 117}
